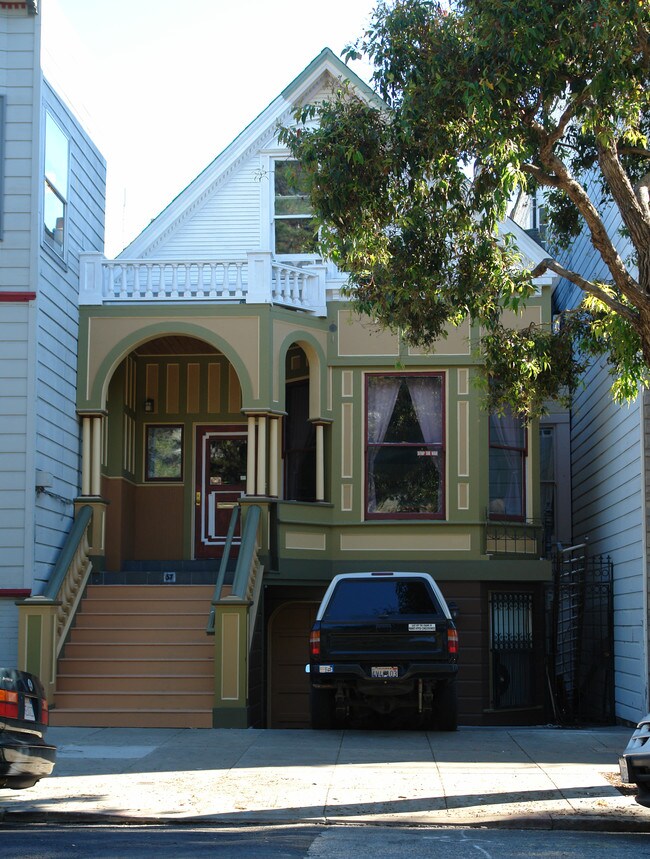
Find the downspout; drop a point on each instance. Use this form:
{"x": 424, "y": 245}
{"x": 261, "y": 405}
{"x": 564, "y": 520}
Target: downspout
{"x": 645, "y": 476}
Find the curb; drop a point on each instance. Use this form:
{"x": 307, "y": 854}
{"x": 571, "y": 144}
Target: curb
{"x": 573, "y": 823}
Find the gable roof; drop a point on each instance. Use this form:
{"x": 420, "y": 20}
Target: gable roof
{"x": 261, "y": 128}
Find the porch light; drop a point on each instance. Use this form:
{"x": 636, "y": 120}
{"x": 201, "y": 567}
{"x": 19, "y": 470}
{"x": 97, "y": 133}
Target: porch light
{"x": 148, "y": 404}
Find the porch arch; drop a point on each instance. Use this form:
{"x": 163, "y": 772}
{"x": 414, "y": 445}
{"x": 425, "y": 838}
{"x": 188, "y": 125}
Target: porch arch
{"x": 94, "y": 382}
{"x": 317, "y": 362}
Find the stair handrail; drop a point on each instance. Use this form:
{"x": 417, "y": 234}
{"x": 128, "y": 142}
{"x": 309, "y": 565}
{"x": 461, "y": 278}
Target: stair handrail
{"x": 244, "y": 579}
{"x": 223, "y": 566}
{"x": 44, "y": 619}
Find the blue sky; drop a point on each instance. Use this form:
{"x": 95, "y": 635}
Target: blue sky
{"x": 163, "y": 86}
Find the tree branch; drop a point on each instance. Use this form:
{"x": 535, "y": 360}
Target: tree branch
{"x": 587, "y": 286}
{"x": 623, "y": 193}
{"x": 581, "y": 200}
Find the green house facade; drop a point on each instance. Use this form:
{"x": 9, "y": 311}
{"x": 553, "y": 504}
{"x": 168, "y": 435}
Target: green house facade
{"x": 222, "y": 380}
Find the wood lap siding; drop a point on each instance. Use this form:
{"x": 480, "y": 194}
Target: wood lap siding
{"x": 226, "y": 225}
{"x": 16, "y": 67}
{"x": 57, "y": 425}
{"x": 607, "y": 471}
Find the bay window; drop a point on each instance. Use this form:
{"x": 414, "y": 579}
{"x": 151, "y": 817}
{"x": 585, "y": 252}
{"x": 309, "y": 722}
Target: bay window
{"x": 405, "y": 453}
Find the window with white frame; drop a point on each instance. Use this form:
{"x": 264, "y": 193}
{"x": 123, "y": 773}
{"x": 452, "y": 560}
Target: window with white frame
{"x": 508, "y": 450}
{"x": 55, "y": 194}
{"x": 293, "y": 223}
{"x": 405, "y": 452}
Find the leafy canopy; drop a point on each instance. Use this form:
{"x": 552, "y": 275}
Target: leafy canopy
{"x": 482, "y": 102}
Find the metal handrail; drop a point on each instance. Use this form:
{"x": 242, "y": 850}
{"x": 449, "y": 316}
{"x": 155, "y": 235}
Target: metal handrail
{"x": 68, "y": 552}
{"x": 223, "y": 566}
{"x": 241, "y": 581}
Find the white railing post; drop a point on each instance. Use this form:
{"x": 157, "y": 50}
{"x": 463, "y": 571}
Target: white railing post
{"x": 259, "y": 277}
{"x": 317, "y": 291}
{"x": 91, "y": 278}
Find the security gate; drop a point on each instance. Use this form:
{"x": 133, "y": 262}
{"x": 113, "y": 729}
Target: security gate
{"x": 581, "y": 640}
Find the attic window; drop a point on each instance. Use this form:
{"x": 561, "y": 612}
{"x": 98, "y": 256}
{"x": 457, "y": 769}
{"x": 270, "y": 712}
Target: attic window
{"x": 293, "y": 222}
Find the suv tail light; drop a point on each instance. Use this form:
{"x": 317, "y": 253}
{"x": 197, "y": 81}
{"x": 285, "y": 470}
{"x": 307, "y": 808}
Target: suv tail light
{"x": 314, "y": 642}
{"x": 8, "y": 704}
{"x": 452, "y": 641}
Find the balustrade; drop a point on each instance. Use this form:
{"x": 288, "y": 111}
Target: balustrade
{"x": 255, "y": 279}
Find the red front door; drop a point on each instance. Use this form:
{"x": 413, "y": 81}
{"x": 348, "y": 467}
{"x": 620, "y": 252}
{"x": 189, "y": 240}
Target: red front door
{"x": 220, "y": 483}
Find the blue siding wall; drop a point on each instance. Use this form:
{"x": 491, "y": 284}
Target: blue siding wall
{"x": 57, "y": 427}
{"x": 609, "y": 499}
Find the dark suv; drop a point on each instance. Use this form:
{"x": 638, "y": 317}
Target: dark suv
{"x": 384, "y": 644}
{"x": 25, "y": 757}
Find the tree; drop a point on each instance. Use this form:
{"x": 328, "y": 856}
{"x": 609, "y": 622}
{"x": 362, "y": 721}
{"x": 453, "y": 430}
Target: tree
{"x": 481, "y": 102}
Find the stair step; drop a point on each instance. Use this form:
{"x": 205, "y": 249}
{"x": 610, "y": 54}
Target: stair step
{"x": 141, "y": 620}
{"x": 131, "y": 718}
{"x": 173, "y": 650}
{"x": 110, "y": 700}
{"x": 146, "y": 592}
{"x": 118, "y": 683}
{"x": 118, "y": 634}
{"x": 156, "y": 605}
{"x": 132, "y": 667}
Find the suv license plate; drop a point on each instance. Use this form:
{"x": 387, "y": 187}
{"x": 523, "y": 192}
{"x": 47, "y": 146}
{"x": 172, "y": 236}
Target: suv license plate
{"x": 384, "y": 672}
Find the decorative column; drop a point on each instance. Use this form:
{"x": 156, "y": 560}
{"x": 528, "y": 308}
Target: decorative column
{"x": 96, "y": 467}
{"x": 86, "y": 436}
{"x": 91, "y": 482}
{"x": 273, "y": 456}
{"x": 250, "y": 457}
{"x": 320, "y": 463}
{"x": 261, "y": 455}
{"x": 320, "y": 425}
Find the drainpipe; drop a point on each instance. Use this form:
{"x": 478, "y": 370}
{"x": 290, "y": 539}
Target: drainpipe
{"x": 645, "y": 476}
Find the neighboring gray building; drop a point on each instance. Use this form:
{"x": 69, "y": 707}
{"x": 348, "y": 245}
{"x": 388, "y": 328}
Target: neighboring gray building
{"x": 610, "y": 449}
{"x": 52, "y": 191}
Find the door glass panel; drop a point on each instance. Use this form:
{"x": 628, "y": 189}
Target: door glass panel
{"x": 227, "y": 462}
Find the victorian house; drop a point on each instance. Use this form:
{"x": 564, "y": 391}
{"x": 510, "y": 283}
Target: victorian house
{"x": 244, "y": 437}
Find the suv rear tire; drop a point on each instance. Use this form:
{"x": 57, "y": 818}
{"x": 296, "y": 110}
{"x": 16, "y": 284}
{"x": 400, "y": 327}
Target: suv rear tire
{"x": 321, "y": 709}
{"x": 447, "y": 707}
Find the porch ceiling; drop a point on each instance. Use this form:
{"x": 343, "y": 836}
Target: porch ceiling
{"x": 174, "y": 345}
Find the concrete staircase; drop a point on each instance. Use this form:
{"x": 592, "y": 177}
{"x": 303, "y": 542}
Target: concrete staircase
{"x": 138, "y": 656}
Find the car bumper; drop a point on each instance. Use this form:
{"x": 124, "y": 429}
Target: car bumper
{"x": 328, "y": 674}
{"x": 24, "y": 759}
{"x": 634, "y": 763}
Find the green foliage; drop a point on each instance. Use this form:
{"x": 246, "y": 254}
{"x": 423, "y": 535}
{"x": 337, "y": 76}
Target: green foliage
{"x": 480, "y": 101}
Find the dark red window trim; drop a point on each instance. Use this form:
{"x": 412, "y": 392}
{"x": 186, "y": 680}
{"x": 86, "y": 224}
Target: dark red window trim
{"x": 413, "y": 517}
{"x": 17, "y": 296}
{"x": 18, "y": 593}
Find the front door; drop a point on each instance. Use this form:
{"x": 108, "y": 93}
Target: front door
{"x": 220, "y": 483}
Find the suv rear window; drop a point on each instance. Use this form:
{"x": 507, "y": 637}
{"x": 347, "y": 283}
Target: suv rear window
{"x": 368, "y": 599}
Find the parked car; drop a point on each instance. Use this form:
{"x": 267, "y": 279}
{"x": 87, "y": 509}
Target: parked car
{"x": 634, "y": 763}
{"x": 25, "y": 757}
{"x": 384, "y": 645}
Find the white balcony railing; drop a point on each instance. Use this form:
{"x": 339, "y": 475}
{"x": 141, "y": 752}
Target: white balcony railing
{"x": 255, "y": 279}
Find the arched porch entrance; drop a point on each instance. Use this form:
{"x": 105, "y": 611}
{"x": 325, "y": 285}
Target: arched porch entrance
{"x": 174, "y": 453}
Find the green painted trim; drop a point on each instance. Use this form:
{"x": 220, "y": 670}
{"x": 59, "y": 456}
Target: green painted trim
{"x": 327, "y": 55}
{"x": 293, "y": 571}
{"x": 34, "y": 644}
{"x": 230, "y": 717}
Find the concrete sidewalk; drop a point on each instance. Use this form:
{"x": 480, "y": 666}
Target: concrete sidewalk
{"x": 514, "y": 777}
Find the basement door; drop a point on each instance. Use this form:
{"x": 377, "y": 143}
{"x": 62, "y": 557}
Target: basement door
{"x": 220, "y": 483}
